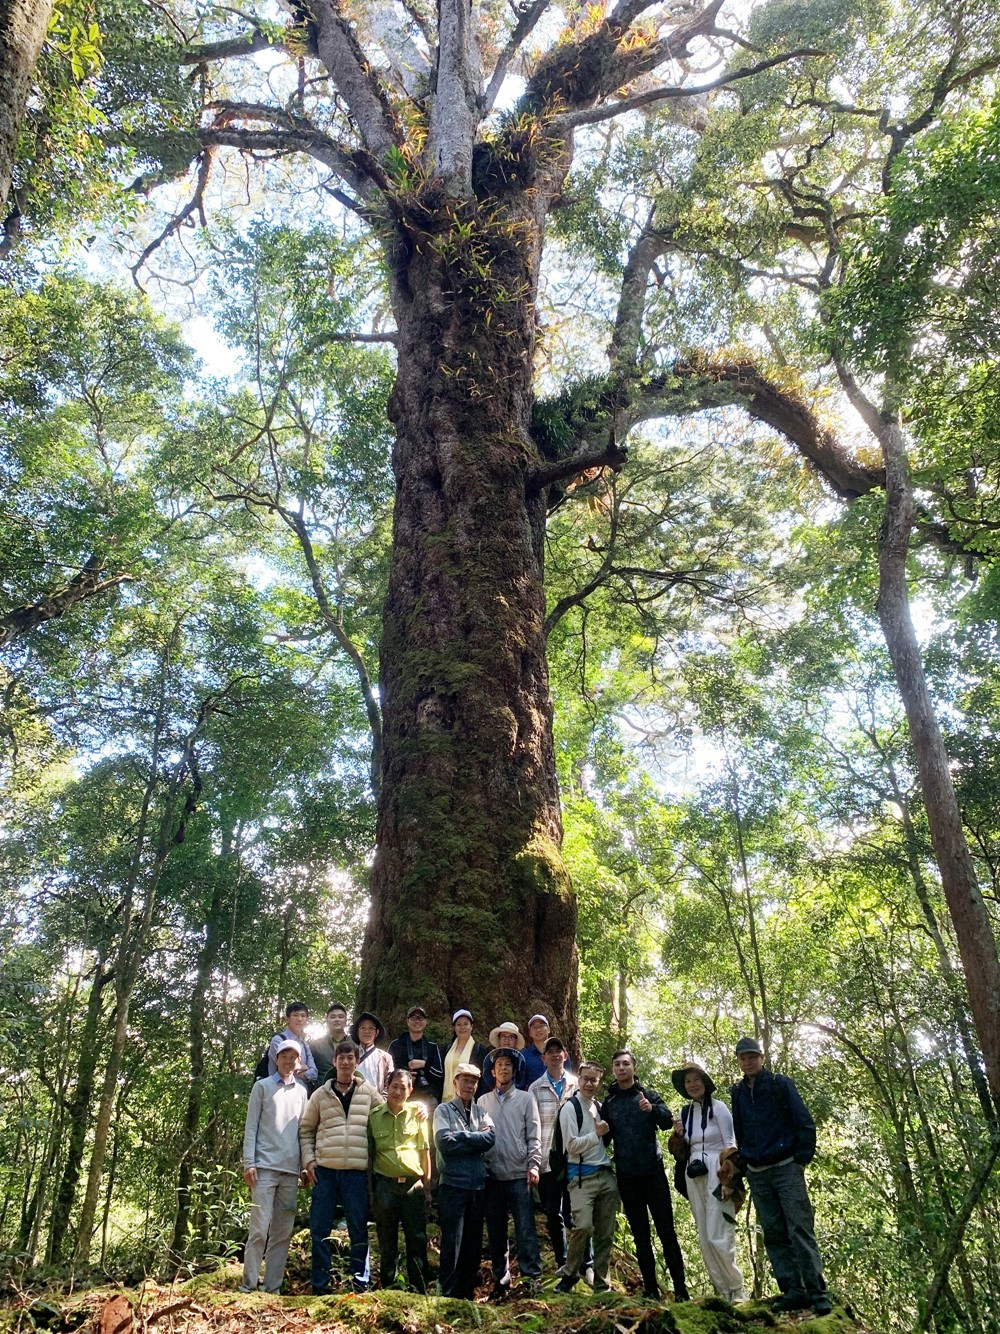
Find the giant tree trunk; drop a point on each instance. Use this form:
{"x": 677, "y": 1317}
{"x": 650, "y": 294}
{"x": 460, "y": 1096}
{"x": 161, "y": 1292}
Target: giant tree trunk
{"x": 23, "y": 24}
{"x": 973, "y": 931}
{"x": 471, "y": 902}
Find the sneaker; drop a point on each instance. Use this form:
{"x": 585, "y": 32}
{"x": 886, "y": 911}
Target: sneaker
{"x": 791, "y": 1301}
{"x": 588, "y": 1275}
{"x": 822, "y": 1305}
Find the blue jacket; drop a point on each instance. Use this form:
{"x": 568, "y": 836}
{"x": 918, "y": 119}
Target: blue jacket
{"x": 771, "y": 1121}
{"x": 461, "y": 1145}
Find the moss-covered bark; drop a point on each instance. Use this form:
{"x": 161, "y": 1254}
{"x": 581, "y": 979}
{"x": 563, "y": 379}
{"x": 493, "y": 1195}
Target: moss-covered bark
{"x": 472, "y": 905}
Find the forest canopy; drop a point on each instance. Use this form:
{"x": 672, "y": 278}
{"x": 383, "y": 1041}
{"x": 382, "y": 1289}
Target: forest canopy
{"x": 498, "y": 507}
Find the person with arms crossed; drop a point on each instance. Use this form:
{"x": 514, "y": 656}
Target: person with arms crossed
{"x": 463, "y": 1134}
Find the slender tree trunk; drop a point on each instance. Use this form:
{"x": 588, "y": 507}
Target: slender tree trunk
{"x": 953, "y": 984}
{"x": 973, "y": 931}
{"x": 207, "y": 957}
{"x": 78, "y": 1115}
{"x": 23, "y": 24}
{"x": 471, "y": 901}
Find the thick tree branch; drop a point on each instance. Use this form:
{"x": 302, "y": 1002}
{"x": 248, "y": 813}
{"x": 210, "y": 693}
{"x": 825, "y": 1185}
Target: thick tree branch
{"x": 246, "y": 44}
{"x": 89, "y": 583}
{"x": 302, "y": 139}
{"x": 529, "y": 15}
{"x": 613, "y": 456}
{"x": 607, "y": 111}
{"x": 341, "y": 53}
{"x": 688, "y": 387}
{"x": 196, "y": 204}
{"x": 455, "y": 109}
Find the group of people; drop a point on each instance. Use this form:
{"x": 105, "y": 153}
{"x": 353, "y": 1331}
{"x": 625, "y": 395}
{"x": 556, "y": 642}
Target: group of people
{"x": 482, "y": 1129}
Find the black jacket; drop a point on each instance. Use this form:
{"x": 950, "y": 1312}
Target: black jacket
{"x": 771, "y": 1121}
{"x": 430, "y": 1079}
{"x": 633, "y": 1131}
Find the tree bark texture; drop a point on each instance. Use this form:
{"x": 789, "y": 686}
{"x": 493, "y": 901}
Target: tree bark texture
{"x": 23, "y": 24}
{"x": 973, "y": 931}
{"x": 471, "y": 903}
{"x": 78, "y": 1117}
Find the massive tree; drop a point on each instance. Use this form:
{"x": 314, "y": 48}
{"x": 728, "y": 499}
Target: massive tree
{"x": 449, "y": 135}
{"x": 471, "y": 901}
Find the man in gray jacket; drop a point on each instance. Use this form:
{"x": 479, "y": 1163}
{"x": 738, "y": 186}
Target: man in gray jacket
{"x": 271, "y": 1166}
{"x": 512, "y": 1167}
{"x": 462, "y": 1134}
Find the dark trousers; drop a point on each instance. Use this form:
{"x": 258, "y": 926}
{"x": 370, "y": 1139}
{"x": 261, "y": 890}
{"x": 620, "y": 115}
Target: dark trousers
{"x": 786, "y": 1217}
{"x": 644, "y": 1197}
{"x": 460, "y": 1213}
{"x": 558, "y": 1215}
{"x": 503, "y": 1200}
{"x": 401, "y": 1202}
{"x": 348, "y": 1188}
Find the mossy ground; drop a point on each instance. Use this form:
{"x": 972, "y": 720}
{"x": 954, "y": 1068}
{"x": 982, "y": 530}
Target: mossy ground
{"x": 209, "y": 1303}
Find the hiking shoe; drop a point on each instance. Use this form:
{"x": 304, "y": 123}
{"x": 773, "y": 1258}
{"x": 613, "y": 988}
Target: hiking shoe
{"x": 497, "y": 1294}
{"x": 681, "y": 1295}
{"x": 791, "y": 1301}
{"x": 822, "y": 1305}
{"x": 565, "y": 1284}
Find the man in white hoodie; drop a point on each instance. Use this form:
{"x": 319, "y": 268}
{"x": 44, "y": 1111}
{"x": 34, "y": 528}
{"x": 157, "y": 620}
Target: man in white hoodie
{"x": 271, "y": 1165}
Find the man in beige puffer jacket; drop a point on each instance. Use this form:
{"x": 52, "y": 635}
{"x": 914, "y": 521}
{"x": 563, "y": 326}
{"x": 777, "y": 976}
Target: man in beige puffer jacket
{"x": 333, "y": 1135}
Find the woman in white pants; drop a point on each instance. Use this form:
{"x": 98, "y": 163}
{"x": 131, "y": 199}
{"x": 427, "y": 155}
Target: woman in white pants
{"x": 706, "y": 1126}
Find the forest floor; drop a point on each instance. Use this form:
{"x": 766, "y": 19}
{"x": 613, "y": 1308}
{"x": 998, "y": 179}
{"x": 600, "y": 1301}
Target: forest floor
{"x": 209, "y": 1303}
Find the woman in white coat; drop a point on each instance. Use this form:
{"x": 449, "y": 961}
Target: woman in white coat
{"x": 706, "y": 1127}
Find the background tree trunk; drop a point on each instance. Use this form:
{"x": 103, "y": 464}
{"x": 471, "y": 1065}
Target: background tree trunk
{"x": 23, "y": 24}
{"x": 207, "y": 958}
{"x": 78, "y": 1115}
{"x": 976, "y": 942}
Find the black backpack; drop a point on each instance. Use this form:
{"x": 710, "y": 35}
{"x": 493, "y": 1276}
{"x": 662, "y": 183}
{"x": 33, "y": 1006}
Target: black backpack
{"x": 558, "y": 1157}
{"x": 261, "y": 1069}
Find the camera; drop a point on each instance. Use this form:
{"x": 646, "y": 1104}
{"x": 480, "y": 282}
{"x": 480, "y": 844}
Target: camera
{"x": 697, "y": 1167}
